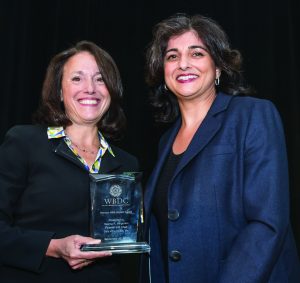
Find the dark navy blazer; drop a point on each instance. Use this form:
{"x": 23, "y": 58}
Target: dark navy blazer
{"x": 228, "y": 200}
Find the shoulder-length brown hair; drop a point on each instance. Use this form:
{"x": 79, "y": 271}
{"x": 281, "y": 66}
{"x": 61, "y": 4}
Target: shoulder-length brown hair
{"x": 228, "y": 60}
{"x": 51, "y": 111}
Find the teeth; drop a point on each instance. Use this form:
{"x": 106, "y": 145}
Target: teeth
{"x": 185, "y": 78}
{"x": 88, "y": 101}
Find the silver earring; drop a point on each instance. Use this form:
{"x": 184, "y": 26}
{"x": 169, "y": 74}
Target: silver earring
{"x": 165, "y": 87}
{"x": 61, "y": 96}
{"x": 217, "y": 81}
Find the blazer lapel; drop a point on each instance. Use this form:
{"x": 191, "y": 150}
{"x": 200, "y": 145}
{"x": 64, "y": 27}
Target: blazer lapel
{"x": 108, "y": 162}
{"x": 60, "y": 148}
{"x": 208, "y": 129}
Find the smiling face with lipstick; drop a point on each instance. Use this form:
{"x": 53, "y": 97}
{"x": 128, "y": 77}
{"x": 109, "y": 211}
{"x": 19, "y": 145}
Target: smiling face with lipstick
{"x": 189, "y": 70}
{"x": 83, "y": 87}
{"x": 189, "y": 60}
{"x": 84, "y": 93}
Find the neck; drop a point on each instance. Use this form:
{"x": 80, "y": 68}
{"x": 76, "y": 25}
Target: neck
{"x": 193, "y": 112}
{"x": 82, "y": 136}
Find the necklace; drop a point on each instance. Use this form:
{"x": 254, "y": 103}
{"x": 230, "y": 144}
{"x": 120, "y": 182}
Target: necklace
{"x": 84, "y": 149}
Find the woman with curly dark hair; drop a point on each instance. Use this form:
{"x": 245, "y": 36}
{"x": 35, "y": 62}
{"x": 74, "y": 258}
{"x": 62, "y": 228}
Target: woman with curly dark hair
{"x": 217, "y": 202}
{"x": 44, "y": 172}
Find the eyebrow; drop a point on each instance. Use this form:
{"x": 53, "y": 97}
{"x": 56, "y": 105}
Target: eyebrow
{"x": 80, "y": 72}
{"x": 190, "y": 47}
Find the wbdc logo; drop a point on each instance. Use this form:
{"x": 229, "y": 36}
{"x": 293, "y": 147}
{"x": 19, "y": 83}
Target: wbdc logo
{"x": 115, "y": 190}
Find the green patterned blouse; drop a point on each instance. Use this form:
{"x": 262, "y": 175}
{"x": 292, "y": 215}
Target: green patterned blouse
{"x": 58, "y": 132}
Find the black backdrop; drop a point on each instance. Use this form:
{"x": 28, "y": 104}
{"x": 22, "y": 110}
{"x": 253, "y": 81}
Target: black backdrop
{"x": 265, "y": 31}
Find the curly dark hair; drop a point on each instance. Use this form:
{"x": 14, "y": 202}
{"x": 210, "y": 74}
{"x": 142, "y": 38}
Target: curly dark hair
{"x": 51, "y": 110}
{"x": 228, "y": 60}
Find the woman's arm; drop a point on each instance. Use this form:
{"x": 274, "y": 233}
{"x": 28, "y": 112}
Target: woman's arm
{"x": 266, "y": 200}
{"x": 22, "y": 248}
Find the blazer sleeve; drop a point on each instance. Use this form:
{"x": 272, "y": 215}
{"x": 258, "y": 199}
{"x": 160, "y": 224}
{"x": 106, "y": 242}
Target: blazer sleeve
{"x": 19, "y": 247}
{"x": 266, "y": 199}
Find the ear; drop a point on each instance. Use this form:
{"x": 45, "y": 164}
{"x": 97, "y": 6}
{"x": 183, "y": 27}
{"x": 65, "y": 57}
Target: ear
{"x": 218, "y": 73}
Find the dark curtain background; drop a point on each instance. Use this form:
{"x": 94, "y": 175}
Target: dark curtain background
{"x": 266, "y": 32}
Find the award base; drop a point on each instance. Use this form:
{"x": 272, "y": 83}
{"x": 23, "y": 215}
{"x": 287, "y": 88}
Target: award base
{"x": 118, "y": 248}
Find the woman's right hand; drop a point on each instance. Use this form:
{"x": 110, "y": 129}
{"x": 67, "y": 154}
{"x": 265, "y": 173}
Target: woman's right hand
{"x": 68, "y": 248}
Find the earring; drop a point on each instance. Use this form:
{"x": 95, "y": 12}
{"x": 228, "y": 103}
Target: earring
{"x": 61, "y": 96}
{"x": 218, "y": 74}
{"x": 165, "y": 87}
{"x": 217, "y": 81}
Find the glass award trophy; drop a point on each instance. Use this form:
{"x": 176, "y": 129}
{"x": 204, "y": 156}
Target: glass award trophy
{"x": 117, "y": 213}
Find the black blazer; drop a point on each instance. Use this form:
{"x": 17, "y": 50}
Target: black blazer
{"x": 44, "y": 194}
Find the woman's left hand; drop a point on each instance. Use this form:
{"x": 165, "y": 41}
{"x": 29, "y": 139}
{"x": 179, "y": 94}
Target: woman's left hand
{"x": 68, "y": 248}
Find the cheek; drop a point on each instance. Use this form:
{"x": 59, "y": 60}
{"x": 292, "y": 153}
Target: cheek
{"x": 69, "y": 90}
{"x": 167, "y": 72}
{"x": 102, "y": 90}
{"x": 208, "y": 67}
{"x": 107, "y": 100}
{"x": 65, "y": 85}
{"x": 106, "y": 94}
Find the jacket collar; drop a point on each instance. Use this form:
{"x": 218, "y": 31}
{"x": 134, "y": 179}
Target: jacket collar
{"x": 109, "y": 163}
{"x": 209, "y": 127}
{"x": 205, "y": 133}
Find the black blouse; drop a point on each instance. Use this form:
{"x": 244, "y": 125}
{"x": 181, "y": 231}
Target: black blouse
{"x": 160, "y": 203}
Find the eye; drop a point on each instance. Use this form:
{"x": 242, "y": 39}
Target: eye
{"x": 99, "y": 79}
{"x": 197, "y": 54}
{"x": 171, "y": 57}
{"x": 76, "y": 79}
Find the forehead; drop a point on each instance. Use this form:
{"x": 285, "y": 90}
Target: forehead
{"x": 188, "y": 38}
{"x": 81, "y": 61}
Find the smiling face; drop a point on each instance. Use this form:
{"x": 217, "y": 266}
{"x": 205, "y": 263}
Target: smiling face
{"x": 84, "y": 92}
{"x": 189, "y": 69}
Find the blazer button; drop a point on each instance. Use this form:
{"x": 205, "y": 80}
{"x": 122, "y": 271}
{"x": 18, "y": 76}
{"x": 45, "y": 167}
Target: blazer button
{"x": 173, "y": 214}
{"x": 175, "y": 255}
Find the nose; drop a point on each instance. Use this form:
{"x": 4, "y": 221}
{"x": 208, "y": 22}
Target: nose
{"x": 184, "y": 63}
{"x": 90, "y": 86}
